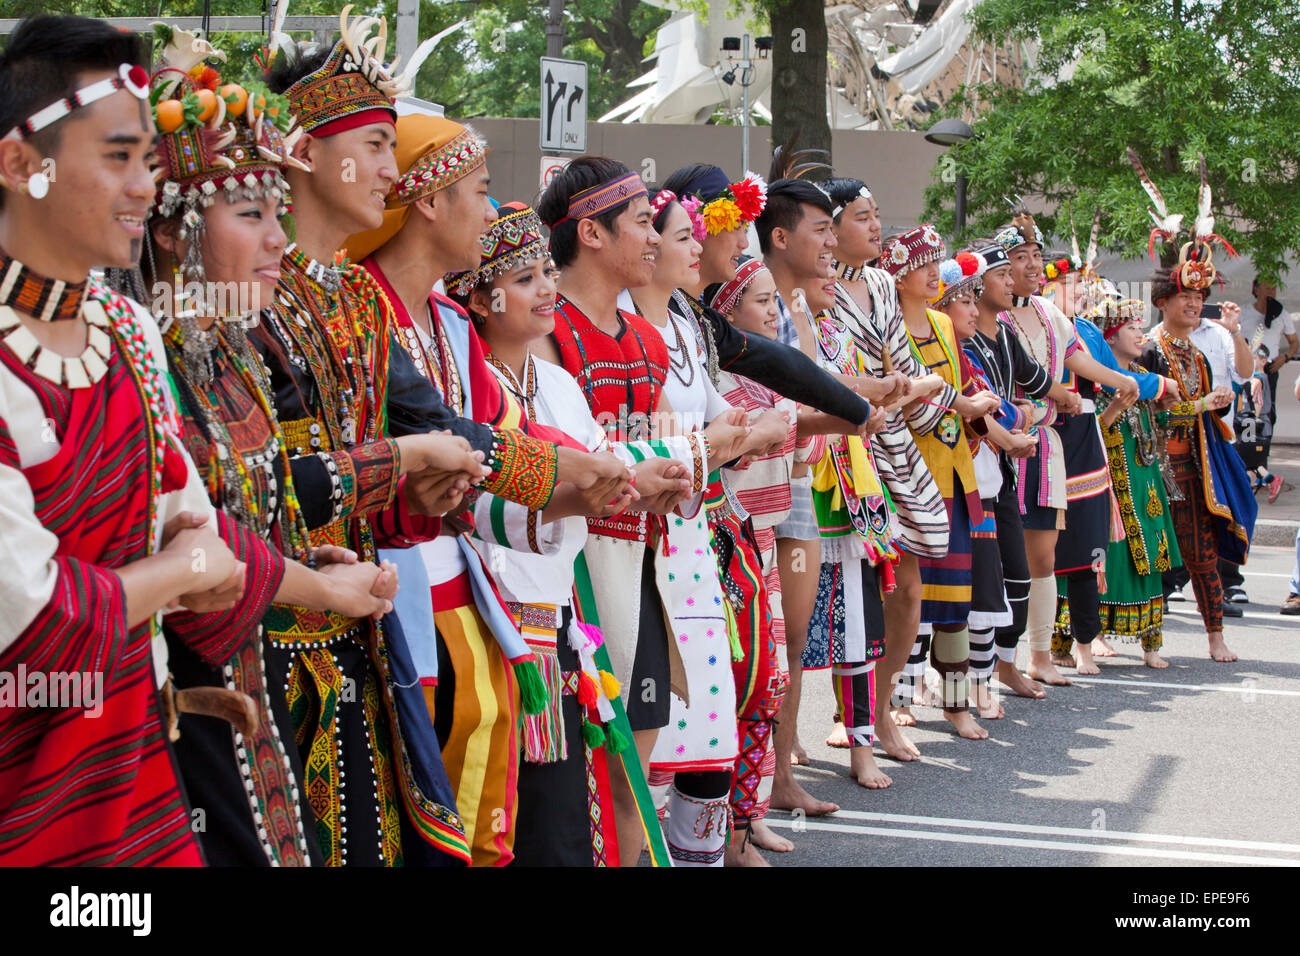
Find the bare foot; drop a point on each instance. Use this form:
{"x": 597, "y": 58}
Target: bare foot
{"x": 982, "y": 697}
{"x": 927, "y": 698}
{"x": 1101, "y": 648}
{"x": 1219, "y": 650}
{"x": 1019, "y": 684}
{"x": 1042, "y": 669}
{"x": 1083, "y": 655}
{"x": 790, "y": 796}
{"x": 862, "y": 767}
{"x": 765, "y": 838}
{"x": 839, "y": 737}
{"x": 742, "y": 852}
{"x": 903, "y": 717}
{"x": 1153, "y": 659}
{"x": 1062, "y": 660}
{"x": 798, "y": 756}
{"x": 893, "y": 743}
{"x": 965, "y": 724}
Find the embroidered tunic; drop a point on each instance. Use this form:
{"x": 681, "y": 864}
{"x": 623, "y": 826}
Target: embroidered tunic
{"x": 89, "y": 477}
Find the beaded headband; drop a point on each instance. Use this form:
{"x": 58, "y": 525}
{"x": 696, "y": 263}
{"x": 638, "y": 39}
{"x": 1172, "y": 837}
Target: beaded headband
{"x": 993, "y": 256}
{"x": 863, "y": 193}
{"x": 439, "y": 168}
{"x": 354, "y": 78}
{"x": 1111, "y": 315}
{"x": 130, "y": 77}
{"x": 962, "y": 273}
{"x": 912, "y": 249}
{"x": 1011, "y": 237}
{"x": 728, "y": 296}
{"x": 592, "y": 202}
{"x": 512, "y": 240}
{"x": 661, "y": 201}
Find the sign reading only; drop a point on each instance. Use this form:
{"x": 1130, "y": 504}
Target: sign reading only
{"x": 564, "y": 105}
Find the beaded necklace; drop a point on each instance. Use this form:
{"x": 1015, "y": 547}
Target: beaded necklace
{"x": 527, "y": 392}
{"x": 335, "y": 362}
{"x": 327, "y": 277}
{"x": 692, "y": 310}
{"x": 49, "y": 300}
{"x": 679, "y": 346}
{"x": 230, "y": 472}
{"x": 849, "y": 273}
{"x": 1181, "y": 358}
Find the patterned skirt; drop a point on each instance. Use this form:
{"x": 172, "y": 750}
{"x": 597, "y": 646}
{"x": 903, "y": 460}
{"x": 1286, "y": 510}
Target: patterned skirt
{"x": 848, "y": 619}
{"x": 946, "y": 582}
{"x": 989, "y": 606}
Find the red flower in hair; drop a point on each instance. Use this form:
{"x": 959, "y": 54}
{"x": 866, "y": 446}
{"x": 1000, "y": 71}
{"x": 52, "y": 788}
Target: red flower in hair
{"x": 749, "y": 197}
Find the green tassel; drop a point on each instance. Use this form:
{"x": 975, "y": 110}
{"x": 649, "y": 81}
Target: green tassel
{"x": 618, "y": 741}
{"x": 532, "y": 691}
{"x": 733, "y": 632}
{"x": 592, "y": 734}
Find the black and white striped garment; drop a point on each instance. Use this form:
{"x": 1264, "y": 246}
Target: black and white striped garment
{"x": 1007, "y": 364}
{"x": 922, "y": 521}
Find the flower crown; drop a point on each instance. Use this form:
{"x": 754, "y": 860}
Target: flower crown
{"x": 739, "y": 202}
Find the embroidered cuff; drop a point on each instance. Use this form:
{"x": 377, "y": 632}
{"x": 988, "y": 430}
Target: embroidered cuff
{"x": 523, "y": 469}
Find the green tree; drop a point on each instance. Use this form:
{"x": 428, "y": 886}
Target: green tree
{"x": 1171, "y": 78}
{"x": 488, "y": 68}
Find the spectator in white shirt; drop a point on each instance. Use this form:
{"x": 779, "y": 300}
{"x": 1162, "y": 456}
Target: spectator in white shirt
{"x": 1267, "y": 323}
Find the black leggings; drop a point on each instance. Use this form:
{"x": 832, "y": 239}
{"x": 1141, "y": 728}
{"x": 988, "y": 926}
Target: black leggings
{"x": 1085, "y": 605}
{"x": 1015, "y": 563}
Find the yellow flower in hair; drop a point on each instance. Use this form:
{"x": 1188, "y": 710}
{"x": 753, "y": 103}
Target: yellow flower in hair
{"x": 721, "y": 215}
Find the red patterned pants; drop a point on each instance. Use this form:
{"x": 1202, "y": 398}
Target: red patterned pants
{"x": 1198, "y": 541}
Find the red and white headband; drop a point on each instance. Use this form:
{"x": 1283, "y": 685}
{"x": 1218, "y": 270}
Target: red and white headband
{"x": 727, "y": 297}
{"x": 130, "y": 77}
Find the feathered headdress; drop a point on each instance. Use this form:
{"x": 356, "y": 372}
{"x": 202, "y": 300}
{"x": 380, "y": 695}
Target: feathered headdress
{"x": 791, "y": 163}
{"x": 1193, "y": 268}
{"x": 354, "y": 78}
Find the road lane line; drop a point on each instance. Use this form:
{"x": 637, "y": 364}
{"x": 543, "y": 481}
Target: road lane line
{"x": 1119, "y": 850}
{"x": 1040, "y": 830}
{"x": 1232, "y": 689}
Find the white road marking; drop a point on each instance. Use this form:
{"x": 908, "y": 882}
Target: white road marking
{"x": 1055, "y": 845}
{"x": 1026, "y": 828}
{"x": 1230, "y": 688}
{"x": 1188, "y": 609}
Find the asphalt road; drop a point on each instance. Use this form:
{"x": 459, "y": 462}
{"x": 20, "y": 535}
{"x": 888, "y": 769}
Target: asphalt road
{"x": 1189, "y": 766}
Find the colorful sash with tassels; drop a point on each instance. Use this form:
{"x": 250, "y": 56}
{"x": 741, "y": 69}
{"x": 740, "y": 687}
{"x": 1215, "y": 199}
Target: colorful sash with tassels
{"x": 627, "y": 758}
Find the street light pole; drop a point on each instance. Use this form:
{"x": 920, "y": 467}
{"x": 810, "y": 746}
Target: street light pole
{"x": 745, "y": 80}
{"x": 555, "y": 29}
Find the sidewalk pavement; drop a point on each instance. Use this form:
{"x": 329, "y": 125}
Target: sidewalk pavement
{"x": 1277, "y": 522}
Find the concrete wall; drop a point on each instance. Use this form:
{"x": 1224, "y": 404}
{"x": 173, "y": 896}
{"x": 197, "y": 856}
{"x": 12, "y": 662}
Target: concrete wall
{"x": 895, "y": 165}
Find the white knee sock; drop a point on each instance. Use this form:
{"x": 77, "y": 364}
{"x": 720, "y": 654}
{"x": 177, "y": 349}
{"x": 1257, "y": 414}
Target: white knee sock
{"x": 1042, "y": 613}
{"x": 697, "y": 829}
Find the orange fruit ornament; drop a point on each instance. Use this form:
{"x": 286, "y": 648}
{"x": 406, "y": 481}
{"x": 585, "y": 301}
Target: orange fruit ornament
{"x": 171, "y": 114}
{"x": 207, "y": 104}
{"x": 236, "y": 98}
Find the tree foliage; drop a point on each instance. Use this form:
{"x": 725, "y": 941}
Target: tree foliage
{"x": 1171, "y": 78}
{"x": 489, "y": 68}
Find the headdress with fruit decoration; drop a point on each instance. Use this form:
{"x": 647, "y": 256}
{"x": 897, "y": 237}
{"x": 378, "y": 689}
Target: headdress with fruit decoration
{"x": 214, "y": 139}
{"x": 1193, "y": 267}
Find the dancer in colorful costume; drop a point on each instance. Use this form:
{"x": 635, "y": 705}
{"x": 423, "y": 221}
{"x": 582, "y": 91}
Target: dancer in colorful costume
{"x": 343, "y": 384}
{"x": 1214, "y": 510}
{"x": 603, "y": 240}
{"x": 103, "y": 508}
{"x": 481, "y": 672}
{"x": 913, "y": 260}
{"x": 565, "y": 808}
{"x": 215, "y": 228}
{"x": 1132, "y": 606}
